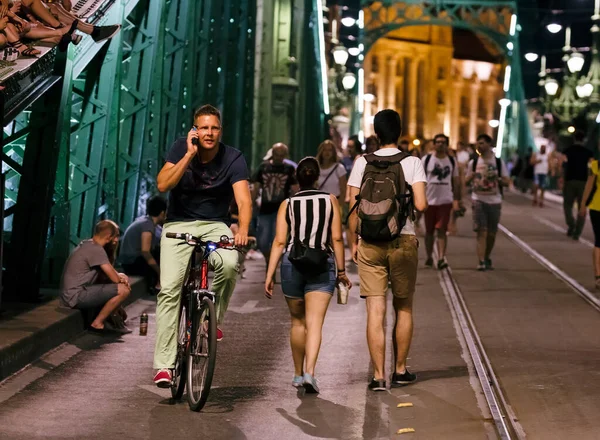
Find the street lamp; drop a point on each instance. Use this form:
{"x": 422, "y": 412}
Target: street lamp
{"x": 340, "y": 55}
{"x": 575, "y": 62}
{"x": 494, "y": 123}
{"x": 554, "y": 28}
{"x": 349, "y": 80}
{"x": 348, "y": 21}
{"x": 354, "y": 51}
{"x": 551, "y": 86}
{"x": 584, "y": 90}
{"x": 531, "y": 57}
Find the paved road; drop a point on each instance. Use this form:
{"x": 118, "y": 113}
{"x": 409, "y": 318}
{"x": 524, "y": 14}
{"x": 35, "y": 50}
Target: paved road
{"x": 543, "y": 341}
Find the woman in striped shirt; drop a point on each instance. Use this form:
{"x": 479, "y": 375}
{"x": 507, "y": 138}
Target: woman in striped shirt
{"x": 312, "y": 217}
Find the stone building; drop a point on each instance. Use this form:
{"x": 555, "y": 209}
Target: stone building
{"x": 438, "y": 78}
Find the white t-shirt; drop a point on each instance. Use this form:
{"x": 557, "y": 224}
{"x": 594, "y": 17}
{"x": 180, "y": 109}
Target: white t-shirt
{"x": 462, "y": 157}
{"x": 439, "y": 180}
{"x": 413, "y": 173}
{"x": 485, "y": 183}
{"x": 542, "y": 167}
{"x": 332, "y": 185}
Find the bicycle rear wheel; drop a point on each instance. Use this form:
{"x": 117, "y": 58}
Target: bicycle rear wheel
{"x": 180, "y": 370}
{"x": 202, "y": 354}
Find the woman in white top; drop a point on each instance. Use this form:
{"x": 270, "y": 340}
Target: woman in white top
{"x": 539, "y": 161}
{"x": 333, "y": 178}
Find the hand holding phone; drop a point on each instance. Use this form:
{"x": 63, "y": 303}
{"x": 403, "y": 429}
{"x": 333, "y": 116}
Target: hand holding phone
{"x": 193, "y": 141}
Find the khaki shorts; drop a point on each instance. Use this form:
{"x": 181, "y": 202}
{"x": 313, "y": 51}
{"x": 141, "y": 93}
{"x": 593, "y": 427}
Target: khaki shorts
{"x": 396, "y": 262}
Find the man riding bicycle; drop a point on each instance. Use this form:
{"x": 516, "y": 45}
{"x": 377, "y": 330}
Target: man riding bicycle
{"x": 203, "y": 176}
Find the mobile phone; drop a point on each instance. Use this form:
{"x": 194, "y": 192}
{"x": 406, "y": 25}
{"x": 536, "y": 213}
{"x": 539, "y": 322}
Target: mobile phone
{"x": 195, "y": 141}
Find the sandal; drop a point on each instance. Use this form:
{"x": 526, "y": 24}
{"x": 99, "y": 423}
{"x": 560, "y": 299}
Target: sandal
{"x": 63, "y": 45}
{"x": 29, "y": 52}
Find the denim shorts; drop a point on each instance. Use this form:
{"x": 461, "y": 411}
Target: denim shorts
{"x": 295, "y": 285}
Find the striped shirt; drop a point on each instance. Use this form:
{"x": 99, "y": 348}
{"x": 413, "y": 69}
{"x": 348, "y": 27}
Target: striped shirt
{"x": 309, "y": 217}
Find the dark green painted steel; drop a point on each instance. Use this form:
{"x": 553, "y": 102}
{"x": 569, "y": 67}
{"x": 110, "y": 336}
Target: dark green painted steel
{"x": 119, "y": 108}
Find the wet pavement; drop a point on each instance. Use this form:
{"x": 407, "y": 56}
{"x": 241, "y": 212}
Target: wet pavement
{"x": 542, "y": 338}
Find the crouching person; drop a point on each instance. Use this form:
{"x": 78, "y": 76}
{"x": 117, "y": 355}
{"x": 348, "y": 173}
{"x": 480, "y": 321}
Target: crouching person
{"x": 89, "y": 280}
{"x": 140, "y": 247}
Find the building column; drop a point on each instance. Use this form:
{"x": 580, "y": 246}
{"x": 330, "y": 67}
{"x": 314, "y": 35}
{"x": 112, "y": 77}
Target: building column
{"x": 475, "y": 87}
{"x": 391, "y": 83}
{"x": 412, "y": 96}
{"x": 381, "y": 80}
{"x": 491, "y": 104}
{"x": 454, "y": 110}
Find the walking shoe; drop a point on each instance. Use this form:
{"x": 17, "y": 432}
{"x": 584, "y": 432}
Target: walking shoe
{"x": 442, "y": 264}
{"x": 488, "y": 264}
{"x": 406, "y": 378}
{"x": 163, "y": 378}
{"x": 219, "y": 334}
{"x": 310, "y": 384}
{"x": 429, "y": 263}
{"x": 481, "y": 266}
{"x": 298, "y": 381}
{"x": 377, "y": 385}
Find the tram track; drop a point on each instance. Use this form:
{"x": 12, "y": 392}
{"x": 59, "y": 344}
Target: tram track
{"x": 504, "y": 418}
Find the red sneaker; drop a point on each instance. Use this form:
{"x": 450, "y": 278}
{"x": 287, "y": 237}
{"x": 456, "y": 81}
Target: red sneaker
{"x": 163, "y": 378}
{"x": 219, "y": 334}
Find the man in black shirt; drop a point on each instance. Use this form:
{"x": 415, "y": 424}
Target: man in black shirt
{"x": 576, "y": 172}
{"x": 277, "y": 179}
{"x": 203, "y": 176}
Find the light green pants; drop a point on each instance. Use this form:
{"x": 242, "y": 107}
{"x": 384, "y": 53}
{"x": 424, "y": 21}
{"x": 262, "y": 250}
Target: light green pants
{"x": 174, "y": 260}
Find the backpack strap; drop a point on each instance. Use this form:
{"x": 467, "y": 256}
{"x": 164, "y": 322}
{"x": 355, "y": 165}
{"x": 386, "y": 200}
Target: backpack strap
{"x": 475, "y": 163}
{"x": 499, "y": 169}
{"x": 427, "y": 160}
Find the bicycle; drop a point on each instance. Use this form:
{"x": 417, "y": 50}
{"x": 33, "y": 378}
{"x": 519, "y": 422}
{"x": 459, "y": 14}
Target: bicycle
{"x": 197, "y": 329}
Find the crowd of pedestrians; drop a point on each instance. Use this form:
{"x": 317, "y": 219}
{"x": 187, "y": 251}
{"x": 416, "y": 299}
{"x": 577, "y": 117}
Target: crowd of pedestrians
{"x": 374, "y": 193}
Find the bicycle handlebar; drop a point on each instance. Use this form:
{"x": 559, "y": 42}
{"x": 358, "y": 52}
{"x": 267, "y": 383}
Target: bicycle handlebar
{"x": 224, "y": 243}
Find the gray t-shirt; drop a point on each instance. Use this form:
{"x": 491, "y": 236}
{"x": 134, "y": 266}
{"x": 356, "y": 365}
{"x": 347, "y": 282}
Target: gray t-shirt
{"x": 81, "y": 269}
{"x": 131, "y": 243}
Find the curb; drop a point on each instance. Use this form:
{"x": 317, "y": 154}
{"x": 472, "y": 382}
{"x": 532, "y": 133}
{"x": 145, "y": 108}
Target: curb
{"x": 26, "y": 337}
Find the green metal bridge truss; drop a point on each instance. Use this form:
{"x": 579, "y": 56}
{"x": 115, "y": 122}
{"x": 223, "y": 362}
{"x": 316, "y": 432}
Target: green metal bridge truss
{"x": 496, "y": 20}
{"x": 86, "y": 141}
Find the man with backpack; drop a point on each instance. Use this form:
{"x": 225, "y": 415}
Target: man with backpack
{"x": 443, "y": 194}
{"x": 388, "y": 186}
{"x": 487, "y": 175}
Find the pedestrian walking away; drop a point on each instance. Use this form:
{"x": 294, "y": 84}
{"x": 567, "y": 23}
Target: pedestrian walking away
{"x": 277, "y": 180}
{"x": 576, "y": 175}
{"x": 487, "y": 176}
{"x": 309, "y": 272}
{"x": 444, "y": 192}
{"x": 203, "y": 175}
{"x": 592, "y": 196}
{"x": 540, "y": 164}
{"x": 391, "y": 182}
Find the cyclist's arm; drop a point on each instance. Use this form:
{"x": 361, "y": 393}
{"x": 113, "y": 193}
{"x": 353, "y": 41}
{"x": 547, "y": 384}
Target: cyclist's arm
{"x": 241, "y": 192}
{"x": 111, "y": 273}
{"x": 280, "y": 240}
{"x": 147, "y": 251}
{"x": 171, "y": 173}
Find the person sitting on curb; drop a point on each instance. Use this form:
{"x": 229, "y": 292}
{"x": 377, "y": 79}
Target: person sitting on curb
{"x": 140, "y": 247}
{"x": 87, "y": 265}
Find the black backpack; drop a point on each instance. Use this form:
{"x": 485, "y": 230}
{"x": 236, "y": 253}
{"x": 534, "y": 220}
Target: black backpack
{"x": 385, "y": 200}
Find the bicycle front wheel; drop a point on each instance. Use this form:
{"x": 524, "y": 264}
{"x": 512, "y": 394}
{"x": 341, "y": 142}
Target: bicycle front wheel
{"x": 202, "y": 354}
